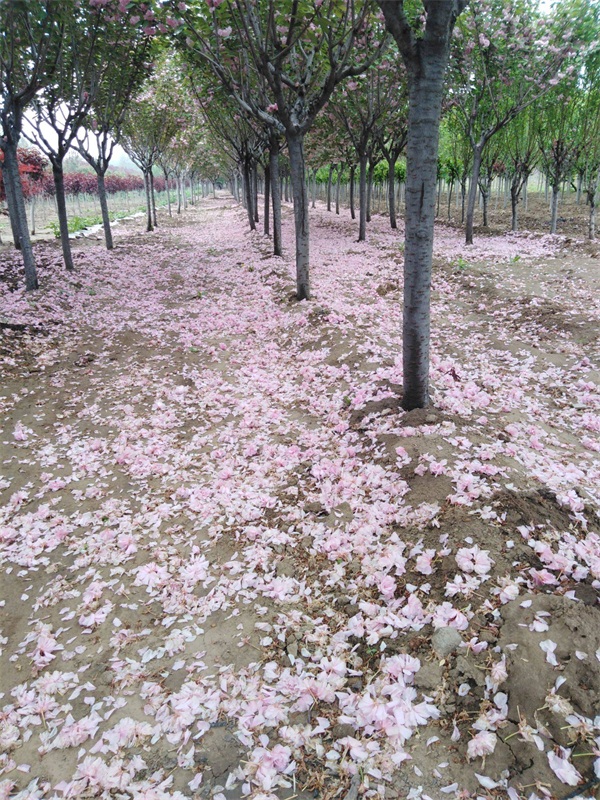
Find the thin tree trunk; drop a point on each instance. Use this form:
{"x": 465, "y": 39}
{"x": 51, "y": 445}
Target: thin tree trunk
{"x": 276, "y": 194}
{"x": 362, "y": 198}
{"x": 485, "y": 196}
{"x": 11, "y": 202}
{"x": 153, "y": 198}
{"x": 104, "y": 208}
{"x": 554, "y": 207}
{"x": 32, "y": 227}
{"x": 11, "y": 166}
{"x": 338, "y": 186}
{"x": 352, "y": 171}
{"x": 514, "y": 206}
{"x": 450, "y": 187}
{"x": 149, "y": 226}
{"x": 392, "y": 192}
{"x": 591, "y": 194}
{"x": 168, "y": 192}
{"x": 329, "y": 180}
{"x": 267, "y": 199}
{"x": 296, "y": 153}
{"x": 369, "y": 192}
{"x": 254, "y": 175}
{"x": 63, "y": 222}
{"x": 249, "y": 195}
{"x": 477, "y": 151}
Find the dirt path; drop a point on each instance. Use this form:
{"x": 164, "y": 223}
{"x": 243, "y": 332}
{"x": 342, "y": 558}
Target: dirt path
{"x": 231, "y": 567}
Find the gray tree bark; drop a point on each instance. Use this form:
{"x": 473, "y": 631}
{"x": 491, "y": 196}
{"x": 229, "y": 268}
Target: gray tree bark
{"x": 362, "y": 198}
{"x": 63, "y": 222}
{"x": 392, "y": 192}
{"x": 108, "y": 240}
{"x": 11, "y": 167}
{"x": 149, "y": 226}
{"x": 153, "y": 198}
{"x": 329, "y": 180}
{"x": 297, "y": 169}
{"x": 426, "y": 59}
{"x": 11, "y": 202}
{"x": 267, "y": 199}
{"x": 275, "y": 194}
{"x": 554, "y": 207}
{"x": 472, "y": 199}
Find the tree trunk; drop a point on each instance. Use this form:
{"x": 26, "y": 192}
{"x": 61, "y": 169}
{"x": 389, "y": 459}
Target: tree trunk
{"x": 104, "y": 208}
{"x": 554, "y": 207}
{"x": 267, "y": 198}
{"x": 276, "y": 194}
{"x": 149, "y": 226}
{"x": 425, "y": 104}
{"x": 63, "y": 222}
{"x": 352, "y": 171}
{"x": 369, "y": 192}
{"x": 591, "y": 198}
{"x": 32, "y": 226}
{"x": 450, "y": 187}
{"x": 255, "y": 191}
{"x": 296, "y": 153}
{"x": 514, "y": 205}
{"x": 329, "y": 180}
{"x": 11, "y": 202}
{"x": 153, "y": 197}
{"x": 249, "y": 195}
{"x": 362, "y": 198}
{"x": 18, "y": 212}
{"x": 338, "y": 186}
{"x": 485, "y": 196}
{"x": 477, "y": 151}
{"x": 392, "y": 192}
{"x": 168, "y": 192}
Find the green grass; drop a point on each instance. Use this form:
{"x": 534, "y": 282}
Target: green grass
{"x": 76, "y": 224}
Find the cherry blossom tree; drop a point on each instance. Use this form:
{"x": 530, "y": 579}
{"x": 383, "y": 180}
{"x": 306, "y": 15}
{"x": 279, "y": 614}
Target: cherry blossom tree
{"x": 149, "y": 125}
{"x": 92, "y": 36}
{"x": 281, "y": 61}
{"x": 359, "y": 107}
{"x": 521, "y": 154}
{"x": 392, "y": 132}
{"x": 506, "y": 55}
{"x": 30, "y": 45}
{"x": 101, "y": 130}
{"x": 424, "y": 43}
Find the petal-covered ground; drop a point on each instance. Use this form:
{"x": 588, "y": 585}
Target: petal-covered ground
{"x": 233, "y": 567}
